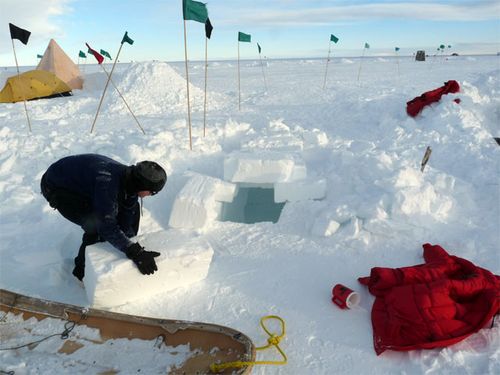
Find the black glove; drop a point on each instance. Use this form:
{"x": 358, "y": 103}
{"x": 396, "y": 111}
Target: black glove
{"x": 79, "y": 271}
{"x": 144, "y": 260}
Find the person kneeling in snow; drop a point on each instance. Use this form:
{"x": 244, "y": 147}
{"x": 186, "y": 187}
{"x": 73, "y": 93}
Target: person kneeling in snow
{"x": 101, "y": 195}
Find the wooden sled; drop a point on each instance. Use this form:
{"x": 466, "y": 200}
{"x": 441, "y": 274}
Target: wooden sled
{"x": 208, "y": 343}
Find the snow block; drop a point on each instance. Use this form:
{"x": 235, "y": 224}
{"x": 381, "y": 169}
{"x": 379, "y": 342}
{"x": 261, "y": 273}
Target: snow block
{"x": 200, "y": 201}
{"x": 263, "y": 167}
{"x": 111, "y": 279}
{"x": 279, "y": 142}
{"x": 325, "y": 226}
{"x": 299, "y": 190}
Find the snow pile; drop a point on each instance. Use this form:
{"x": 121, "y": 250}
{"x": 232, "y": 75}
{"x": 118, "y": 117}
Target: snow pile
{"x": 415, "y": 197}
{"x": 111, "y": 279}
{"x": 155, "y": 87}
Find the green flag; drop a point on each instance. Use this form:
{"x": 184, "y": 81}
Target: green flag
{"x": 194, "y": 11}
{"x": 333, "y": 38}
{"x": 127, "y": 39}
{"x": 396, "y": 49}
{"x": 367, "y": 45}
{"x": 104, "y": 53}
{"x": 258, "y": 47}
{"x": 242, "y": 37}
{"x": 81, "y": 54}
{"x": 39, "y": 56}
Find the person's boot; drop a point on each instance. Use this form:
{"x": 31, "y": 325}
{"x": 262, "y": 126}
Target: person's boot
{"x": 87, "y": 239}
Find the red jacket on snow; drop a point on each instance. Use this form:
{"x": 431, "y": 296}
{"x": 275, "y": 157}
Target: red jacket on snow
{"x": 431, "y": 305}
{"x": 414, "y": 106}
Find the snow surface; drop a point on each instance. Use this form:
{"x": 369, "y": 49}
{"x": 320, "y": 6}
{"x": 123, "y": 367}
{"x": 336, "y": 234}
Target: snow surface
{"x": 378, "y": 209}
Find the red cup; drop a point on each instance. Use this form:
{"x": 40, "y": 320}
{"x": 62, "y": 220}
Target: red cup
{"x": 344, "y": 297}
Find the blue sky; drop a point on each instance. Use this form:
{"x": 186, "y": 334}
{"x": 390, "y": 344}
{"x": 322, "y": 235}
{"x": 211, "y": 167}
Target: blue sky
{"x": 283, "y": 28}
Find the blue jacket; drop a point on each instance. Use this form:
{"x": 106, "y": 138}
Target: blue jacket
{"x": 101, "y": 180}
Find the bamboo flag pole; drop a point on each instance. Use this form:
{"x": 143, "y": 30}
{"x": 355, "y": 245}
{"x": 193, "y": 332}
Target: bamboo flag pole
{"x": 333, "y": 39}
{"x": 239, "y": 84}
{"x": 100, "y": 59}
{"x": 327, "y": 60}
{"x": 262, "y": 66}
{"x": 187, "y": 87}
{"x": 242, "y": 37}
{"x": 205, "y": 99}
{"x": 81, "y": 55}
{"x": 124, "y": 101}
{"x": 208, "y": 34}
{"x": 194, "y": 11}
{"x": 442, "y": 47}
{"x": 105, "y": 88}
{"x": 23, "y": 36}
{"x": 20, "y": 85}
{"x": 362, "y": 58}
{"x": 397, "y": 57}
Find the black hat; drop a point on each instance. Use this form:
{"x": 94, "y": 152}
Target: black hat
{"x": 148, "y": 176}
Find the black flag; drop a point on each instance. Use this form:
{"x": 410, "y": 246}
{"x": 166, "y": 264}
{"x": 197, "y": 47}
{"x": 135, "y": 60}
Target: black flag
{"x": 208, "y": 28}
{"x": 18, "y": 33}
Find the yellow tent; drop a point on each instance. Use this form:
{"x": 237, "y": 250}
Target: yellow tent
{"x": 34, "y": 84}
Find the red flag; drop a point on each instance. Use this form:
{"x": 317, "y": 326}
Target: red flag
{"x": 96, "y": 54}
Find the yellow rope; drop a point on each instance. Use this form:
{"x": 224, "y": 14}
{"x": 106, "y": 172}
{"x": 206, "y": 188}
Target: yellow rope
{"x": 273, "y": 340}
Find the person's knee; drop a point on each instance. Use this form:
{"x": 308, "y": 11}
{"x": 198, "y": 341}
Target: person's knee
{"x": 89, "y": 224}
{"x": 90, "y": 238}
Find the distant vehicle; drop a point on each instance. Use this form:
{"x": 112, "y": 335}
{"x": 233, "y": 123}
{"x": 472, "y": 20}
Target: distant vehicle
{"x": 420, "y": 56}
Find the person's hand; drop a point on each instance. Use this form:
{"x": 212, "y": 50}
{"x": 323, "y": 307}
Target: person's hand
{"x": 144, "y": 260}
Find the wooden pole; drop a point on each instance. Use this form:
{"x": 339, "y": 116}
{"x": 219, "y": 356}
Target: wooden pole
{"x": 327, "y": 60}
{"x": 239, "y": 84}
{"x": 20, "y": 85}
{"x": 124, "y": 101}
{"x": 397, "y": 61}
{"x": 263, "y": 75}
{"x": 362, "y": 57}
{"x": 425, "y": 159}
{"x": 205, "y": 101}
{"x": 187, "y": 87}
{"x": 105, "y": 88}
